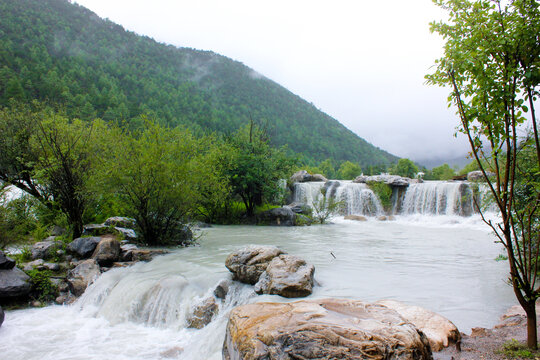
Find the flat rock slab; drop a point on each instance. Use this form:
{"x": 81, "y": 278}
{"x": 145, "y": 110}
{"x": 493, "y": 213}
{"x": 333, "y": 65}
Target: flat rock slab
{"x": 248, "y": 263}
{"x": 440, "y": 331}
{"x": 322, "y": 329}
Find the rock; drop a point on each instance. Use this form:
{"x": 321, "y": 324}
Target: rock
{"x": 6, "y": 263}
{"x": 45, "y": 249}
{"x": 83, "y": 275}
{"x": 120, "y": 221}
{"x": 391, "y": 218}
{"x": 318, "y": 177}
{"x": 282, "y": 216}
{"x": 302, "y": 220}
{"x": 440, "y": 331}
{"x": 1, "y": 316}
{"x": 145, "y": 255}
{"x": 392, "y": 180}
{"x": 14, "y": 283}
{"x": 321, "y": 329}
{"x": 52, "y": 266}
{"x": 480, "y": 332}
{"x": 36, "y": 303}
{"x": 222, "y": 289}
{"x": 248, "y": 263}
{"x": 84, "y": 246}
{"x": 203, "y": 313}
{"x": 57, "y": 231}
{"x": 288, "y": 276}
{"x": 382, "y": 218}
{"x": 36, "y": 264}
{"x": 301, "y": 208}
{"x": 300, "y": 176}
{"x": 355, "y": 217}
{"x": 478, "y": 176}
{"x": 128, "y": 234}
{"x": 107, "y": 251}
{"x": 96, "y": 229}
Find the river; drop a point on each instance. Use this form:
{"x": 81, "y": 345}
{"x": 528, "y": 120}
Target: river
{"x": 443, "y": 263}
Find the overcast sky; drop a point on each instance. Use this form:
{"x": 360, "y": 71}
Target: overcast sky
{"x": 362, "y": 62}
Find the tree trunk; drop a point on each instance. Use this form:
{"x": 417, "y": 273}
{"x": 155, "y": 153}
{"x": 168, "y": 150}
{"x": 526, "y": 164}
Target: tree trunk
{"x": 532, "y": 333}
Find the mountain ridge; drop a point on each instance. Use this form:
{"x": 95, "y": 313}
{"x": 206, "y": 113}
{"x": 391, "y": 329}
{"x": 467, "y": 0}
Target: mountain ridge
{"x": 63, "y": 53}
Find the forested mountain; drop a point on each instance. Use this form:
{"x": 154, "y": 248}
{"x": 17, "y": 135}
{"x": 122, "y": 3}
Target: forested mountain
{"x": 64, "y": 54}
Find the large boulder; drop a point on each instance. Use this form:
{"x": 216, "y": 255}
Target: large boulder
{"x": 84, "y": 246}
{"x": 440, "y": 331}
{"x": 321, "y": 329}
{"x": 96, "y": 229}
{"x": 203, "y": 313}
{"x": 288, "y": 276}
{"x": 283, "y": 216}
{"x": 247, "y": 264}
{"x": 392, "y": 180}
{"x": 6, "y": 263}
{"x": 45, "y": 249}
{"x": 82, "y": 275}
{"x": 107, "y": 251}
{"x": 14, "y": 283}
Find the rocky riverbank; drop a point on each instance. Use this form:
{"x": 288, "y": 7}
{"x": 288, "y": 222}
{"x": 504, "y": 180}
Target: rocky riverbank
{"x": 486, "y": 344}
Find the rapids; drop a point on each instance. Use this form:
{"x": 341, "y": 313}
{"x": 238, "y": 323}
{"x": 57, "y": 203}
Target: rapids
{"x": 443, "y": 263}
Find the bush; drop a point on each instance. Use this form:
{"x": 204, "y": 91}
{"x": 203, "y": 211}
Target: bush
{"x": 43, "y": 288}
{"x": 383, "y": 192}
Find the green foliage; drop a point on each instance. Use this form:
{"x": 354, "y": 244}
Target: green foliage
{"x": 17, "y": 219}
{"x": 349, "y": 171}
{"x": 492, "y": 63}
{"x": 405, "y": 167}
{"x": 256, "y": 168}
{"x": 383, "y": 192}
{"x": 443, "y": 172}
{"x": 513, "y": 349}
{"x": 43, "y": 288}
{"x": 63, "y": 54}
{"x": 325, "y": 206}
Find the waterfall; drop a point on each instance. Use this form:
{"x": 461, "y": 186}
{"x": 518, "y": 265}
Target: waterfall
{"x": 357, "y": 199}
{"x": 438, "y": 198}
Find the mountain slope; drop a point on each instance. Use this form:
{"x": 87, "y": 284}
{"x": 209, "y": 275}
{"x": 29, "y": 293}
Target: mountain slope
{"x": 62, "y": 53}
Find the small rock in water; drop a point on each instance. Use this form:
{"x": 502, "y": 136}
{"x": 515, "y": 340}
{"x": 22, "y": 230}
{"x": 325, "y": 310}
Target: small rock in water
{"x": 288, "y": 276}
{"x": 222, "y": 289}
{"x": 382, "y": 218}
{"x": 355, "y": 217}
{"x": 172, "y": 352}
{"x": 37, "y": 303}
{"x": 1, "y": 316}
{"x": 248, "y": 263}
{"x": 203, "y": 313}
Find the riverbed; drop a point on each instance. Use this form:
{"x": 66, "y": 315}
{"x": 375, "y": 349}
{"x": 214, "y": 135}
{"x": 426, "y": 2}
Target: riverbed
{"x": 445, "y": 264}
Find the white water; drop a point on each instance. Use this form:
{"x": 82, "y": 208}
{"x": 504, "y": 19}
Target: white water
{"x": 437, "y": 198}
{"x": 357, "y": 199}
{"x": 443, "y": 263}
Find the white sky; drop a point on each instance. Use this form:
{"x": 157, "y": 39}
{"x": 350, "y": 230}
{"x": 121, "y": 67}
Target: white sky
{"x": 362, "y": 62}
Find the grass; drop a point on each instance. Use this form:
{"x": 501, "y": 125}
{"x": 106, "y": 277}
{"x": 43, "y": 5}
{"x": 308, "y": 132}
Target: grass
{"x": 513, "y": 349}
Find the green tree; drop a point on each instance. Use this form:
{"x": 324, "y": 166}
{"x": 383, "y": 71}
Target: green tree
{"x": 257, "y": 168}
{"x": 405, "y": 167}
{"x": 349, "y": 170}
{"x": 492, "y": 63}
{"x": 443, "y": 172}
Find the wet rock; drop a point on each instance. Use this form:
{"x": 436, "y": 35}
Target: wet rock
{"x": 391, "y": 218}
{"x": 145, "y": 255}
{"x": 222, "y": 289}
{"x": 382, "y": 218}
{"x": 14, "y": 283}
{"x": 6, "y": 263}
{"x": 480, "y": 332}
{"x": 440, "y": 331}
{"x": 356, "y": 217}
{"x": 107, "y": 251}
{"x": 83, "y": 275}
{"x": 203, "y": 313}
{"x": 288, "y": 276}
{"x": 84, "y": 246}
{"x": 321, "y": 329}
{"x": 172, "y": 353}
{"x": 304, "y": 176}
{"x": 392, "y": 180}
{"x": 301, "y": 208}
{"x": 1, "y": 316}
{"x": 45, "y": 249}
{"x": 247, "y": 264}
{"x": 120, "y": 221}
{"x": 318, "y": 178}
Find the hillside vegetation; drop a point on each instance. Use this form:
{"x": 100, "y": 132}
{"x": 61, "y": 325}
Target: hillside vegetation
{"x": 65, "y": 55}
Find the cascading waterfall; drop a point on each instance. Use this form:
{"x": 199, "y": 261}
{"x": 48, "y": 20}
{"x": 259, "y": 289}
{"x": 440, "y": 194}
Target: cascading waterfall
{"x": 438, "y": 198}
{"x": 357, "y": 199}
